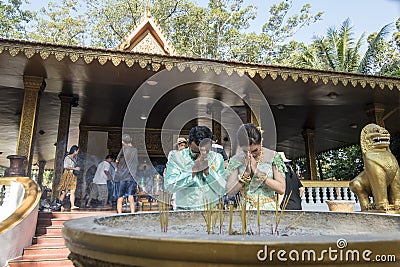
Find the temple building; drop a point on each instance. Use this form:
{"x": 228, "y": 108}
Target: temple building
{"x": 55, "y": 96}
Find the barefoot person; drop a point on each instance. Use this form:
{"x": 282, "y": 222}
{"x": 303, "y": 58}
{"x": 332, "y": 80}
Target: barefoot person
{"x": 69, "y": 179}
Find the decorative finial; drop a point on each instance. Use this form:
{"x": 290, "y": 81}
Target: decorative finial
{"x": 148, "y": 9}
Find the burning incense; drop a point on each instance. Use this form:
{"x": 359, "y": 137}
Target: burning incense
{"x": 243, "y": 216}
{"x": 207, "y": 215}
{"x": 163, "y": 207}
{"x": 258, "y": 215}
{"x": 278, "y": 219}
{"x": 221, "y": 214}
{"x": 230, "y": 217}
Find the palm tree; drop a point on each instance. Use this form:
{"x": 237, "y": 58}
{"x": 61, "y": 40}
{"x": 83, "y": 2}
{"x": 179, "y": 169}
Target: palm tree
{"x": 365, "y": 65}
{"x": 339, "y": 51}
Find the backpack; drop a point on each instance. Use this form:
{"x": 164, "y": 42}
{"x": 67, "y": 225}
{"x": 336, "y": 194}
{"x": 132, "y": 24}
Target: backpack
{"x": 292, "y": 185}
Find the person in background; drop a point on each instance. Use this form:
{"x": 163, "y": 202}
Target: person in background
{"x": 99, "y": 189}
{"x": 69, "y": 179}
{"x": 110, "y": 183}
{"x": 220, "y": 149}
{"x": 181, "y": 143}
{"x": 256, "y": 171}
{"x": 294, "y": 187}
{"x": 125, "y": 172}
{"x": 89, "y": 176}
{"x": 196, "y": 174}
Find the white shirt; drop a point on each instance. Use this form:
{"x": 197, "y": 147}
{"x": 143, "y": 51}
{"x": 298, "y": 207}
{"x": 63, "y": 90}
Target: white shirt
{"x": 100, "y": 177}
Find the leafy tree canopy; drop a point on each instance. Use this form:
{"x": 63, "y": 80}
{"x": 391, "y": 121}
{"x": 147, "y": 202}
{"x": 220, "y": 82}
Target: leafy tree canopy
{"x": 13, "y": 19}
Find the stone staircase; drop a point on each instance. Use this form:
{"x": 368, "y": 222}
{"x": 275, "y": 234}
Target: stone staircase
{"x": 48, "y": 248}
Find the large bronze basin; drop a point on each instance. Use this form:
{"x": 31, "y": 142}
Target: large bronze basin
{"x": 320, "y": 238}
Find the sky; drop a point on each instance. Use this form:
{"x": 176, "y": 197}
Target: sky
{"x": 365, "y": 15}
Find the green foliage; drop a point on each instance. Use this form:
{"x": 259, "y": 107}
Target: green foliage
{"x": 395, "y": 146}
{"x": 280, "y": 26}
{"x": 193, "y": 30}
{"x": 60, "y": 23}
{"x": 389, "y": 54}
{"x": 339, "y": 51}
{"x": 47, "y": 177}
{"x": 2, "y": 170}
{"x": 111, "y": 20}
{"x": 341, "y": 164}
{"x": 13, "y": 19}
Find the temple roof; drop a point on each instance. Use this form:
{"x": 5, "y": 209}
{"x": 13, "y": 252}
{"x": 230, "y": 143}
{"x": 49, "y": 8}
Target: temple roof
{"x": 298, "y": 98}
{"x": 147, "y": 37}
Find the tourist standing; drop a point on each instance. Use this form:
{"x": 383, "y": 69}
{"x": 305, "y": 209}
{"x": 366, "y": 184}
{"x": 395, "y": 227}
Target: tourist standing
{"x": 69, "y": 177}
{"x": 110, "y": 183}
{"x": 125, "y": 172}
{"x": 99, "y": 189}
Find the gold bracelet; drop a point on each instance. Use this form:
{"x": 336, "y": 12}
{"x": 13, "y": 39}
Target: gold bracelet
{"x": 244, "y": 179}
{"x": 262, "y": 177}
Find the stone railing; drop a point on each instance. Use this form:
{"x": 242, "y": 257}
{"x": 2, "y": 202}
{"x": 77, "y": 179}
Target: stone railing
{"x": 318, "y": 192}
{"x": 12, "y": 194}
{"x": 18, "y": 212}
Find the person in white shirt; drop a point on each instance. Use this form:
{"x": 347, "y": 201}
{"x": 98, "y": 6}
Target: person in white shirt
{"x": 110, "y": 183}
{"x": 99, "y": 190}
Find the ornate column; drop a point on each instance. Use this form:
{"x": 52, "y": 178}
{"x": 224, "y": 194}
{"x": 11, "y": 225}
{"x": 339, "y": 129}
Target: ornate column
{"x": 253, "y": 112}
{"x": 375, "y": 113}
{"x": 83, "y": 146}
{"x": 308, "y": 136}
{"x": 216, "y": 123}
{"x": 62, "y": 139}
{"x": 34, "y": 87}
{"x": 42, "y": 164}
{"x": 114, "y": 142}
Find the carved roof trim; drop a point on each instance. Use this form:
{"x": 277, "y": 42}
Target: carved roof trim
{"x": 74, "y": 53}
{"x": 147, "y": 24}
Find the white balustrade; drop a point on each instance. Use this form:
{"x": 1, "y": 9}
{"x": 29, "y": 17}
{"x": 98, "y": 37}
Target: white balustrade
{"x": 318, "y": 192}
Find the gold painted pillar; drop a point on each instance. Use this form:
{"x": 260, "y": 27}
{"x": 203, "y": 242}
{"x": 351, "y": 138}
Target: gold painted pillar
{"x": 34, "y": 87}
{"x": 375, "y": 113}
{"x": 308, "y": 136}
{"x": 82, "y": 155}
{"x": 216, "y": 123}
{"x": 114, "y": 142}
{"x": 42, "y": 164}
{"x": 62, "y": 139}
{"x": 253, "y": 111}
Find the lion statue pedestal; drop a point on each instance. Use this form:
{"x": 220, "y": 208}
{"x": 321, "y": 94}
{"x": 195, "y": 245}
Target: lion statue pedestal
{"x": 381, "y": 176}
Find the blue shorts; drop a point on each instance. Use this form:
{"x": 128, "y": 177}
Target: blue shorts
{"x": 125, "y": 188}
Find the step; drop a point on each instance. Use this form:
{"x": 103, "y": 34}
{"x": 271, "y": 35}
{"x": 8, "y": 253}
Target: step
{"x": 50, "y": 222}
{"x": 48, "y": 240}
{"x": 41, "y": 263}
{"x": 60, "y": 256}
{"x": 48, "y": 246}
{"x": 49, "y": 231}
{"x": 35, "y": 251}
{"x": 74, "y": 214}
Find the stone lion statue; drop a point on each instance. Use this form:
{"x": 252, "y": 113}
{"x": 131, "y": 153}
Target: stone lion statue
{"x": 381, "y": 176}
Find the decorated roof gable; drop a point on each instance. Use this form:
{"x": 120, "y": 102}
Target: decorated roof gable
{"x": 147, "y": 37}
